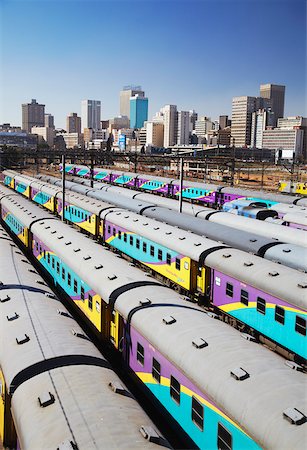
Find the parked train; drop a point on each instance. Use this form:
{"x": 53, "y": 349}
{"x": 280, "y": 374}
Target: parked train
{"x": 293, "y": 187}
{"x": 209, "y": 194}
{"x": 260, "y": 241}
{"x": 183, "y": 261}
{"x": 195, "y": 367}
{"x": 56, "y": 390}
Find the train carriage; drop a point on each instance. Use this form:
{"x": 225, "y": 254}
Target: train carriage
{"x": 57, "y": 390}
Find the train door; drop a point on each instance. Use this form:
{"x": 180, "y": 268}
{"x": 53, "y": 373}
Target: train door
{"x": 7, "y": 429}
{"x": 114, "y": 326}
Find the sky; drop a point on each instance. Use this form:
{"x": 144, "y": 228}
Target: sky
{"x": 194, "y": 54}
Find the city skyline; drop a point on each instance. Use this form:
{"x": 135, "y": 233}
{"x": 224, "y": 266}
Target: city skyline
{"x": 198, "y": 58}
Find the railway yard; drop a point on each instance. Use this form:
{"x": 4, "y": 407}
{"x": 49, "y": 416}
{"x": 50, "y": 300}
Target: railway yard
{"x": 128, "y": 324}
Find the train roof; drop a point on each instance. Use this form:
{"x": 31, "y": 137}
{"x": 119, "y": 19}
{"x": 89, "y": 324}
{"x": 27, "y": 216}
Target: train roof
{"x": 278, "y": 232}
{"x": 98, "y": 267}
{"x": 30, "y": 212}
{"x": 282, "y": 282}
{"x": 298, "y": 218}
{"x": 120, "y": 201}
{"x": 285, "y": 208}
{"x": 288, "y": 254}
{"x": 87, "y": 413}
{"x": 270, "y": 389}
{"x": 301, "y": 202}
{"x": 281, "y": 198}
{"x": 249, "y": 242}
{"x": 184, "y": 242}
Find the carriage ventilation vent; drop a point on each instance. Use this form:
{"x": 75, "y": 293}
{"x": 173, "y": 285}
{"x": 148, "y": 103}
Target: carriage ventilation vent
{"x": 99, "y": 266}
{"x": 22, "y": 339}
{"x": 112, "y": 277}
{"x": 32, "y": 271}
{"x": 5, "y": 299}
{"x": 47, "y": 228}
{"x": 248, "y": 337}
{"x": 226, "y": 255}
{"x": 274, "y": 273}
{"x": 199, "y": 343}
{"x": 253, "y": 240}
{"x": 79, "y": 335}
{"x": 294, "y": 416}
{"x": 49, "y": 295}
{"x": 12, "y": 317}
{"x": 286, "y": 250}
{"x": 294, "y": 366}
{"x": 41, "y": 282}
{"x": 76, "y": 250}
{"x": 248, "y": 264}
{"x": 149, "y": 433}
{"x": 302, "y": 285}
{"x": 117, "y": 387}
{"x": 60, "y": 237}
{"x": 197, "y": 244}
{"x": 239, "y": 374}
{"x": 64, "y": 313}
{"x": 53, "y": 232}
{"x": 182, "y": 238}
{"x": 145, "y": 302}
{"x": 169, "y": 320}
{"x": 46, "y": 399}
{"x": 68, "y": 243}
{"x": 86, "y": 258}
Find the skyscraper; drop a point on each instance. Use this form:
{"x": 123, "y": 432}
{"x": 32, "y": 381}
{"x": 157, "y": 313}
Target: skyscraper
{"x": 73, "y": 123}
{"x": 124, "y": 98}
{"x": 49, "y": 121}
{"x": 90, "y": 114}
{"x": 241, "y": 120}
{"x": 33, "y": 114}
{"x": 138, "y": 111}
{"x": 276, "y": 93}
{"x": 170, "y": 125}
{"x": 183, "y": 127}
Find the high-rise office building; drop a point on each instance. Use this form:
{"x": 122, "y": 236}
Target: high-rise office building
{"x": 224, "y": 122}
{"x": 276, "y": 93}
{"x": 49, "y": 121}
{"x": 90, "y": 114}
{"x": 124, "y": 98}
{"x": 241, "y": 120}
{"x": 138, "y": 111}
{"x": 73, "y": 123}
{"x": 33, "y": 114}
{"x": 183, "y": 127}
{"x": 202, "y": 126}
{"x": 154, "y": 134}
{"x": 260, "y": 120}
{"x": 170, "y": 125}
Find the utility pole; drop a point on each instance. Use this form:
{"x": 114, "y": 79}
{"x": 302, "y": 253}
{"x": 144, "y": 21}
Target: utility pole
{"x": 92, "y": 171}
{"x": 181, "y": 185}
{"x": 63, "y": 187}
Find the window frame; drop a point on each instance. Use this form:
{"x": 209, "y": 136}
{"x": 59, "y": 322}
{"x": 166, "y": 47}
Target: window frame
{"x": 175, "y": 389}
{"x": 261, "y": 308}
{"x": 156, "y": 371}
{"x": 140, "y": 354}
{"x": 229, "y": 289}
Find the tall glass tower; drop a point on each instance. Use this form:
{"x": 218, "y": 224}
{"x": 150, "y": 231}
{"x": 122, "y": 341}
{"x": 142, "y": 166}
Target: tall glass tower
{"x": 138, "y": 111}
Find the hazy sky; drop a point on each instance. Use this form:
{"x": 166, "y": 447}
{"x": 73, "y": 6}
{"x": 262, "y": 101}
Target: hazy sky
{"x": 196, "y": 54}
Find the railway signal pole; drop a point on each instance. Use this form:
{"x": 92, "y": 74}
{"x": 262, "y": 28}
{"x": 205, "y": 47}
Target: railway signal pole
{"x": 63, "y": 187}
{"x": 181, "y": 185}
